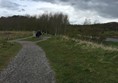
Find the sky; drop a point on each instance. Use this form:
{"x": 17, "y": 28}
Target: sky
{"x": 97, "y": 11}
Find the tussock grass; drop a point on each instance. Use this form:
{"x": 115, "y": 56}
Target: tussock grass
{"x": 91, "y": 44}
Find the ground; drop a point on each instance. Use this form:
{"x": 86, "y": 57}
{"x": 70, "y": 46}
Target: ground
{"x": 76, "y": 61}
{"x": 72, "y": 60}
{"x": 30, "y": 65}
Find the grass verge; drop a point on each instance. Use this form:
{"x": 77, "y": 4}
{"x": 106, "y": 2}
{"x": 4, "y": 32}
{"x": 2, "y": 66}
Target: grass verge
{"x": 32, "y": 39}
{"x": 7, "y": 51}
{"x": 77, "y": 62}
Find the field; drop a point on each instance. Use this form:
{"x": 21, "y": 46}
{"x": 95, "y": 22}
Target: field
{"x": 7, "y": 49}
{"x": 73, "y": 60}
{"x": 76, "y": 61}
{"x": 10, "y": 35}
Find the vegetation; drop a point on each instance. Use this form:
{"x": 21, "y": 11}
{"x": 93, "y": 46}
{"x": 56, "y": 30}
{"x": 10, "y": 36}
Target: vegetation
{"x": 48, "y": 23}
{"x": 7, "y": 49}
{"x": 58, "y": 24}
{"x": 76, "y": 61}
{"x": 95, "y": 32}
{"x": 32, "y": 39}
{"x": 109, "y": 43}
{"x": 10, "y": 35}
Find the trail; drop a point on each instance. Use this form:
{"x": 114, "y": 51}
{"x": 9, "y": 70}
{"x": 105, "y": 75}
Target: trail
{"x": 29, "y": 66}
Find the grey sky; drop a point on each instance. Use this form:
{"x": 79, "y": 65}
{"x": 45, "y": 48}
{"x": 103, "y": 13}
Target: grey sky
{"x": 107, "y": 8}
{"x": 78, "y": 10}
{"x": 9, "y": 5}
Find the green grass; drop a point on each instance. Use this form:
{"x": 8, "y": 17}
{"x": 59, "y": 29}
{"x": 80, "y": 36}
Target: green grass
{"x": 109, "y": 43}
{"x": 32, "y": 39}
{"x": 80, "y": 63}
{"x": 7, "y": 51}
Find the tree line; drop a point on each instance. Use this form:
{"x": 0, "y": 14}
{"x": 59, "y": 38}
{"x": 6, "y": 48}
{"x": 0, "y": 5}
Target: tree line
{"x": 48, "y": 23}
{"x": 58, "y": 24}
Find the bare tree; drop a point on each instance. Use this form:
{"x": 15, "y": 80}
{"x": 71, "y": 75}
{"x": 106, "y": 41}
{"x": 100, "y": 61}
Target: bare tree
{"x": 87, "y": 22}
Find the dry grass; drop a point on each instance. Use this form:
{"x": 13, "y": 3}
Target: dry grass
{"x": 9, "y": 35}
{"x": 91, "y": 44}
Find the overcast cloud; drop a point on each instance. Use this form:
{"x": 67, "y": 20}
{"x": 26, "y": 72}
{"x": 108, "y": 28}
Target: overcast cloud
{"x": 77, "y": 10}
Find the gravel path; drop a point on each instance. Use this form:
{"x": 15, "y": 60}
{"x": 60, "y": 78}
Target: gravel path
{"x": 29, "y": 66}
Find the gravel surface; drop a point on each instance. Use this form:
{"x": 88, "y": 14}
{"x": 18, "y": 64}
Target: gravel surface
{"x": 29, "y": 66}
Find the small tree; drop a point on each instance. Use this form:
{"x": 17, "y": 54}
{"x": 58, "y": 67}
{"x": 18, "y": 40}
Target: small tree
{"x": 87, "y": 22}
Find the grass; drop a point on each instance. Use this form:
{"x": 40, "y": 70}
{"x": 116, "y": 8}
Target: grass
{"x": 10, "y": 35}
{"x": 9, "y": 50}
{"x": 77, "y": 62}
{"x": 32, "y": 39}
{"x": 93, "y": 44}
{"x": 109, "y": 43}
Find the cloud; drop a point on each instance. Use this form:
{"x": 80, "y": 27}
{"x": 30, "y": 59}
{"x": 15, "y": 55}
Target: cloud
{"x": 7, "y": 4}
{"x": 105, "y": 8}
{"x": 77, "y": 10}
